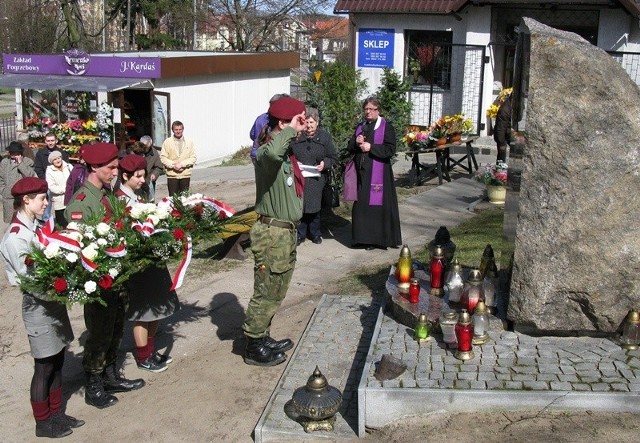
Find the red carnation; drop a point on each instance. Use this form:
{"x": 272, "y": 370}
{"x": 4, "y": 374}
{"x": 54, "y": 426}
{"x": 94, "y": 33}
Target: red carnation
{"x": 28, "y": 261}
{"x": 176, "y": 214}
{"x": 190, "y": 226}
{"x": 222, "y": 215}
{"x": 178, "y": 234}
{"x": 60, "y": 285}
{"x": 198, "y": 209}
{"x": 105, "y": 281}
{"x": 119, "y": 225}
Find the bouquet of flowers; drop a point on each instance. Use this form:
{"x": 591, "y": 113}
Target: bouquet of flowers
{"x": 492, "y": 111}
{"x": 80, "y": 263}
{"x": 76, "y": 265}
{"x": 493, "y": 175}
{"x": 415, "y": 138}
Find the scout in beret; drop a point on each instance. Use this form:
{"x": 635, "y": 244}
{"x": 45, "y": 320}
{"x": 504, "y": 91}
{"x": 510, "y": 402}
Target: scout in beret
{"x": 49, "y": 319}
{"x": 99, "y": 153}
{"x": 132, "y": 163}
{"x": 279, "y": 187}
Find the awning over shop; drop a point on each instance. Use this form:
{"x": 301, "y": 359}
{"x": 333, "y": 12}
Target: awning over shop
{"x": 70, "y": 83}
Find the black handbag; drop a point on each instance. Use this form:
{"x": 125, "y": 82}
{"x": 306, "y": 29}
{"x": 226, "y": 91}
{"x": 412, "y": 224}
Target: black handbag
{"x": 330, "y": 192}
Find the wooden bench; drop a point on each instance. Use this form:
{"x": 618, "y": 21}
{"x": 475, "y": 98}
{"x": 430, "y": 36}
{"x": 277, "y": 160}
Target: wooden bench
{"x": 236, "y": 234}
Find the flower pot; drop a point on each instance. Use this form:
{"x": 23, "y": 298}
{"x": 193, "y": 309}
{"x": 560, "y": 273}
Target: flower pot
{"x": 441, "y": 141}
{"x": 455, "y": 138}
{"x": 496, "y": 194}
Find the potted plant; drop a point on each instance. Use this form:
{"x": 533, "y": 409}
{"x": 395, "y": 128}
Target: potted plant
{"x": 414, "y": 67}
{"x": 494, "y": 176}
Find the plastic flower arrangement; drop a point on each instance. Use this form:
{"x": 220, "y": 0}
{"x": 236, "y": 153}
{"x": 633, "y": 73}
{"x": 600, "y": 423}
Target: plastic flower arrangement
{"x": 493, "y": 174}
{"x": 104, "y": 122}
{"x": 416, "y": 138}
{"x": 76, "y": 265}
{"x": 438, "y": 129}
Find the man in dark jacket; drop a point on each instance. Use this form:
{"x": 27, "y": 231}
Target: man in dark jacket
{"x": 42, "y": 155}
{"x": 502, "y": 130}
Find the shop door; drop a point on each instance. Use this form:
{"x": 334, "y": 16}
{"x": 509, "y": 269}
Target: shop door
{"x": 160, "y": 117}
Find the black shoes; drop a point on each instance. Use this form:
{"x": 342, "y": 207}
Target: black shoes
{"x": 278, "y": 345}
{"x": 152, "y": 365}
{"x": 161, "y": 358}
{"x": 258, "y": 353}
{"x": 67, "y": 420}
{"x": 113, "y": 381}
{"x": 95, "y": 395}
{"x": 52, "y": 428}
{"x": 317, "y": 240}
{"x": 300, "y": 241}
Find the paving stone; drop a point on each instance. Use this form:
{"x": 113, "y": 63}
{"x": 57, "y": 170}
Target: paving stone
{"x": 620, "y": 387}
{"x": 568, "y": 377}
{"x": 547, "y": 377}
{"x": 581, "y": 387}
{"x": 560, "y": 386}
{"x": 462, "y": 384}
{"x": 536, "y": 385}
{"x": 495, "y": 384}
{"x": 601, "y": 387}
{"x": 514, "y": 385}
{"x": 523, "y": 377}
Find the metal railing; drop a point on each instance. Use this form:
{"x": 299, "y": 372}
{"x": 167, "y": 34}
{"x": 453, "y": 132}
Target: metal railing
{"x": 7, "y": 131}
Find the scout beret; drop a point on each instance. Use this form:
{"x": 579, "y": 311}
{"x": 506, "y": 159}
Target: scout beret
{"x": 29, "y": 185}
{"x": 285, "y": 108}
{"x": 54, "y": 155}
{"x": 99, "y": 153}
{"x": 132, "y": 163}
{"x": 15, "y": 147}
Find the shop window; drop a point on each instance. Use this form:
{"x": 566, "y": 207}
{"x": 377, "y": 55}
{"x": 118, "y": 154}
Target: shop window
{"x": 428, "y": 58}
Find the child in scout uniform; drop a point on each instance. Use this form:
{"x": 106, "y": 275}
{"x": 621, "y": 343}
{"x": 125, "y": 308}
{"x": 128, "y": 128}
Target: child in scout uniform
{"x": 105, "y": 324}
{"x": 279, "y": 186}
{"x": 47, "y": 322}
{"x": 150, "y": 300}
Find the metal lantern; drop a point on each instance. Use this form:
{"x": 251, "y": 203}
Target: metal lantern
{"x": 315, "y": 405}
{"x": 480, "y": 324}
{"x": 631, "y": 331}
{"x": 404, "y": 268}
{"x": 489, "y": 288}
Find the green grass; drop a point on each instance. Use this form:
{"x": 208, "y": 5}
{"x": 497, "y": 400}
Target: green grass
{"x": 470, "y": 238}
{"x": 239, "y": 158}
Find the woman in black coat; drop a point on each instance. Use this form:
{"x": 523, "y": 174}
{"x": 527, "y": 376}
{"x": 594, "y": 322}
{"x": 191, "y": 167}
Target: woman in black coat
{"x": 314, "y": 147}
{"x": 502, "y": 130}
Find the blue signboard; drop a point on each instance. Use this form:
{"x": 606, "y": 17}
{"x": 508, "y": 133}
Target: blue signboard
{"x": 375, "y": 48}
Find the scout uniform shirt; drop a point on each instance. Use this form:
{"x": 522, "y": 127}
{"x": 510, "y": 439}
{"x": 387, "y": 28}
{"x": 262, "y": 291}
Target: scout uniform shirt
{"x": 89, "y": 202}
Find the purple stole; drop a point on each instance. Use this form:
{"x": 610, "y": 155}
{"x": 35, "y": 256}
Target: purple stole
{"x": 377, "y": 173}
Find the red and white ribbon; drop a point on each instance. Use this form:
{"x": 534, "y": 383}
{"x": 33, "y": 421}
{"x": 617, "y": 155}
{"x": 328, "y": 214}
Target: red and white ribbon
{"x": 46, "y": 235}
{"x": 184, "y": 264}
{"x": 215, "y": 204}
{"x": 89, "y": 265}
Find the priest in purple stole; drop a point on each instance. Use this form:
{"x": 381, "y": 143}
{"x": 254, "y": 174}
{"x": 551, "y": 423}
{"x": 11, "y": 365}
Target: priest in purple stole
{"x": 375, "y": 218}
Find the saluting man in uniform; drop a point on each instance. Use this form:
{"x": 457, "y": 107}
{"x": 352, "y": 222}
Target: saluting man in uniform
{"x": 105, "y": 324}
{"x": 279, "y": 187}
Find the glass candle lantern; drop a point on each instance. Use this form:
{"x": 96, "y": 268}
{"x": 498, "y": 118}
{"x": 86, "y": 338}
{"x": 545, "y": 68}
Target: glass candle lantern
{"x": 455, "y": 282}
{"x": 472, "y": 292}
{"x": 404, "y": 268}
{"x": 489, "y": 288}
{"x": 488, "y": 257}
{"x": 448, "y": 320}
{"x": 414, "y": 291}
{"x": 436, "y": 271}
{"x": 631, "y": 331}
{"x": 464, "y": 337}
{"x": 422, "y": 328}
{"x": 480, "y": 324}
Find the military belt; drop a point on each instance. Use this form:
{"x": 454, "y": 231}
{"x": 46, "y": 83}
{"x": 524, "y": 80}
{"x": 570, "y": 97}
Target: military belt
{"x": 277, "y": 223}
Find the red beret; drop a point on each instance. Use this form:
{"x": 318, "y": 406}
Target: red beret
{"x": 132, "y": 163}
{"x": 286, "y": 108}
{"x": 99, "y": 153}
{"x": 29, "y": 185}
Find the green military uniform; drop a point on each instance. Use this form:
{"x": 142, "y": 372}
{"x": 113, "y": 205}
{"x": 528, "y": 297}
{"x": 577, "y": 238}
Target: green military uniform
{"x": 273, "y": 236}
{"x": 105, "y": 324}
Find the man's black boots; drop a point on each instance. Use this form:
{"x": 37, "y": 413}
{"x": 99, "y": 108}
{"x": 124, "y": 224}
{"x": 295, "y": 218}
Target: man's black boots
{"x": 114, "y": 382}
{"x": 259, "y": 354}
{"x": 95, "y": 395}
{"x": 278, "y": 345}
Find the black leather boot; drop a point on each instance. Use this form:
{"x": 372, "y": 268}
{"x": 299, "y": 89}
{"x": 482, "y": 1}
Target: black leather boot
{"x": 51, "y": 428}
{"x": 95, "y": 395}
{"x": 278, "y": 345}
{"x": 67, "y": 420}
{"x": 259, "y": 354}
{"x": 114, "y": 382}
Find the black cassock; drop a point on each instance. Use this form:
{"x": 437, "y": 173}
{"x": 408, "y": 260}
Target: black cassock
{"x": 375, "y": 225}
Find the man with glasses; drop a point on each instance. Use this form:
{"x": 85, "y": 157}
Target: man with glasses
{"x": 375, "y": 216}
